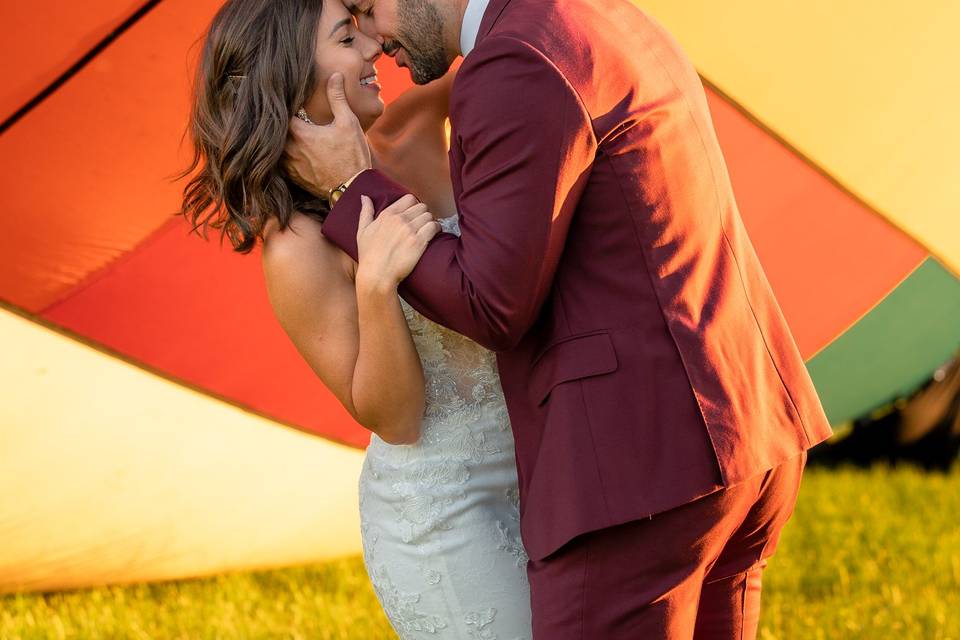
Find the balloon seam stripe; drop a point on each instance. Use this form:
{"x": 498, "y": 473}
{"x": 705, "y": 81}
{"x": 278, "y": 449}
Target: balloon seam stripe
{"x": 107, "y": 267}
{"x": 926, "y": 260}
{"x": 78, "y": 66}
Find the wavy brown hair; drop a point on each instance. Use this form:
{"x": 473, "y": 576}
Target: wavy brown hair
{"x": 256, "y": 69}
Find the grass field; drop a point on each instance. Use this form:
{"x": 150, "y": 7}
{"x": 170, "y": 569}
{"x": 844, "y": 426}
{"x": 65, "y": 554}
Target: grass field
{"x": 869, "y": 554}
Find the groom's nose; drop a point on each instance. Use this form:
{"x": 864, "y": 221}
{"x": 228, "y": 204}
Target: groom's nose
{"x": 390, "y": 47}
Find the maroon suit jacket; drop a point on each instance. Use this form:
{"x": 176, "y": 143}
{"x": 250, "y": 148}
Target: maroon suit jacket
{"x": 643, "y": 356}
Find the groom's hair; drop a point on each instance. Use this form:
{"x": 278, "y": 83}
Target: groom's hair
{"x": 256, "y": 69}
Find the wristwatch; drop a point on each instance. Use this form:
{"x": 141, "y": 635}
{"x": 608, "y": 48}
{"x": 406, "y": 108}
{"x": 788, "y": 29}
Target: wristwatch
{"x": 335, "y": 193}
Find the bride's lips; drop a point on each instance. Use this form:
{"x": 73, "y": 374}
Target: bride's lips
{"x": 370, "y": 82}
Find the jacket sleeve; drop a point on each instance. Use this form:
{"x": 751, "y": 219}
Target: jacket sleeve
{"x": 527, "y": 147}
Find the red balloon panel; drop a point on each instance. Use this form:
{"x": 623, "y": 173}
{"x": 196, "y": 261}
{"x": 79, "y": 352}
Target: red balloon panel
{"x": 201, "y": 315}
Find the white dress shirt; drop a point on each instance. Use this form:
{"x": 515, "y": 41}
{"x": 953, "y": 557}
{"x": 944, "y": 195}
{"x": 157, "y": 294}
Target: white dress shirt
{"x": 471, "y": 25}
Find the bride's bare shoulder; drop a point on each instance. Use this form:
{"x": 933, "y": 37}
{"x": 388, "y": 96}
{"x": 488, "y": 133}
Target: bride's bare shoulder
{"x": 300, "y": 249}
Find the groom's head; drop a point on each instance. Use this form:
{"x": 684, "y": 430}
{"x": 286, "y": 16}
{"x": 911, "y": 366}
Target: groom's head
{"x": 422, "y": 35}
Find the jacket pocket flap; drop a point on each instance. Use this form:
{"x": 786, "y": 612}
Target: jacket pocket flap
{"x": 571, "y": 358}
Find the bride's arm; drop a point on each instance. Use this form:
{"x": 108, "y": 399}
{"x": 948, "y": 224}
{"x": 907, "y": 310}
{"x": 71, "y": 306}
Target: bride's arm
{"x": 416, "y": 106}
{"x": 353, "y": 336}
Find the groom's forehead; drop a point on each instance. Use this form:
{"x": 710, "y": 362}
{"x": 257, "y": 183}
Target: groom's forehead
{"x": 359, "y": 6}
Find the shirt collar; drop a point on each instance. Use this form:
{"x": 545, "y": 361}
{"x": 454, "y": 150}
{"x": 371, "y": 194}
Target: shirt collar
{"x": 472, "y": 18}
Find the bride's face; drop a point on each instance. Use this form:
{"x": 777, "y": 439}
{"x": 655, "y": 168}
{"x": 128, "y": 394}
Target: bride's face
{"x": 344, "y": 48}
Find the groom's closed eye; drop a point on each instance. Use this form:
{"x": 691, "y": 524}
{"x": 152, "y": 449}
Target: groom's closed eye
{"x": 363, "y": 12}
{"x": 357, "y": 9}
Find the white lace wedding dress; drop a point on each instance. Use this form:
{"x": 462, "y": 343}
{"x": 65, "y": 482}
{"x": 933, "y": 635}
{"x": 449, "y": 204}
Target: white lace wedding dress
{"x": 440, "y": 519}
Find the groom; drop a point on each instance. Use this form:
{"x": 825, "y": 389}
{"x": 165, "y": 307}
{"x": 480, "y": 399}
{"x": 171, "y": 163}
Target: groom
{"x": 660, "y": 407}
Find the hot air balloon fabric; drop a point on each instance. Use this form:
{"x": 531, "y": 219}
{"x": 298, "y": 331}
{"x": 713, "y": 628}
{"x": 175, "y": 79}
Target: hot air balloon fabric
{"x": 156, "y": 422}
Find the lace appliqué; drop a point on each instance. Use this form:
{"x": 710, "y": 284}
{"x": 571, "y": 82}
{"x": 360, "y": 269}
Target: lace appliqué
{"x": 477, "y": 623}
{"x": 401, "y": 607}
{"x": 512, "y": 544}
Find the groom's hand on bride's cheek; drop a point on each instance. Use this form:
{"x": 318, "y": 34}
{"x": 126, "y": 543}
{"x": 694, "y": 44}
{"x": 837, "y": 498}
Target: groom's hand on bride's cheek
{"x": 322, "y": 157}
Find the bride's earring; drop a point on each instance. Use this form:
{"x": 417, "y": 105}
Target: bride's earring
{"x": 302, "y": 114}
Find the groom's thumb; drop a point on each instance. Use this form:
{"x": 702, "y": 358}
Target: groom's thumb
{"x": 338, "y": 98}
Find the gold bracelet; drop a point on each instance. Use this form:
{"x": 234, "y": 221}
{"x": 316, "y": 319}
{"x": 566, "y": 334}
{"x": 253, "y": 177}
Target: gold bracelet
{"x": 334, "y": 195}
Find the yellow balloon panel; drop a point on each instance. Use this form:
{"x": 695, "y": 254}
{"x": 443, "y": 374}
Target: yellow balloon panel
{"x": 111, "y": 474}
{"x": 868, "y": 90}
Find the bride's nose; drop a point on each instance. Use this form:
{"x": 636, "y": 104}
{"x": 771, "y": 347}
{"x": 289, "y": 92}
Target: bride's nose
{"x": 369, "y": 48}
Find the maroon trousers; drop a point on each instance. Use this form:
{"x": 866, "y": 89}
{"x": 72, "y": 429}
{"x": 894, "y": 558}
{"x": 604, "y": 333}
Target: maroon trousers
{"x": 690, "y": 572}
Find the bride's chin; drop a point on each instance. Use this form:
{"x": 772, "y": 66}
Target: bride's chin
{"x": 371, "y": 116}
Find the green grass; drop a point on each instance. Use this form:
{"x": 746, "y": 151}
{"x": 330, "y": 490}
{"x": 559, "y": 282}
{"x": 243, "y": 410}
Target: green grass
{"x": 326, "y": 602}
{"x": 868, "y": 554}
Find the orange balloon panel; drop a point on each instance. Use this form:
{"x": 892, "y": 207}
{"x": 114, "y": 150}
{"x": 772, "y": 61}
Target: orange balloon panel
{"x": 84, "y": 174}
{"x": 41, "y": 41}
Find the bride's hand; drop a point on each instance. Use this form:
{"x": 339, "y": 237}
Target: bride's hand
{"x": 389, "y": 247}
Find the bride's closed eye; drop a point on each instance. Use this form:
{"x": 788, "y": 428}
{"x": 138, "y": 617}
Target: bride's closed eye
{"x": 350, "y": 25}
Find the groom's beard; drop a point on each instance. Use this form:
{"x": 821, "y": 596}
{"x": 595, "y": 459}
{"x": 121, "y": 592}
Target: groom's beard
{"x": 420, "y": 33}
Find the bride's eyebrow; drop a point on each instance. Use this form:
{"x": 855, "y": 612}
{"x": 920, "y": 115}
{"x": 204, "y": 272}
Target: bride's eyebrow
{"x": 341, "y": 23}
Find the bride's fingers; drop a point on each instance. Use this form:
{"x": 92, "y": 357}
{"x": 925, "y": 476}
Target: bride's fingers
{"x": 401, "y": 205}
{"x": 427, "y": 231}
{"x": 422, "y": 219}
{"x": 366, "y": 213}
{"x": 415, "y": 211}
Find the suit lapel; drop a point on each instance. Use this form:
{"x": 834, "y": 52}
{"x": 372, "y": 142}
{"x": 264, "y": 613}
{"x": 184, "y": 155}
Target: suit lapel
{"x": 490, "y": 16}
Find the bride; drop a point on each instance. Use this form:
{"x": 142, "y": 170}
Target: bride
{"x": 438, "y": 490}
